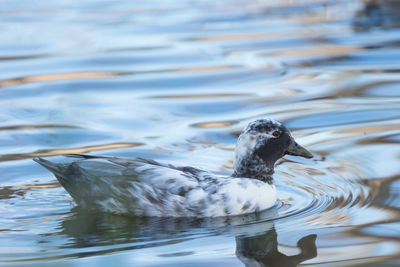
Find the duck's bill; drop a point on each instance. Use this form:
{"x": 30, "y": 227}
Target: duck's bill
{"x": 297, "y": 150}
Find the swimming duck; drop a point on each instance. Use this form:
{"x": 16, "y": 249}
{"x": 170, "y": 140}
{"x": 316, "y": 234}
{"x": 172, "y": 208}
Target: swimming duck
{"x": 149, "y": 188}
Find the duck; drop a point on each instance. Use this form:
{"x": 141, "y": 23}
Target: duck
{"x": 145, "y": 187}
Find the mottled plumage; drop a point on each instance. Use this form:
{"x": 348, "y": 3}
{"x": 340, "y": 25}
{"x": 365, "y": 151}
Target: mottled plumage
{"x": 146, "y": 187}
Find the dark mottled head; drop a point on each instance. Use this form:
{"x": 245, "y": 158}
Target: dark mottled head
{"x": 260, "y": 145}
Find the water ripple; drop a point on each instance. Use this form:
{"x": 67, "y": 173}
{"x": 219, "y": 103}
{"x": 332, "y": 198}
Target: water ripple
{"x": 177, "y": 81}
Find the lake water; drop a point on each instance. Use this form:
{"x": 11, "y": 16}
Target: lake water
{"x": 176, "y": 81}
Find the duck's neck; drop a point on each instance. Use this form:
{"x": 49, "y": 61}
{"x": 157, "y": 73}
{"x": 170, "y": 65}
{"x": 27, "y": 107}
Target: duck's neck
{"x": 253, "y": 167}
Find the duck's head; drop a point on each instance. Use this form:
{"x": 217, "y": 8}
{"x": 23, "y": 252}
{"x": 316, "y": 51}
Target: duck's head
{"x": 260, "y": 145}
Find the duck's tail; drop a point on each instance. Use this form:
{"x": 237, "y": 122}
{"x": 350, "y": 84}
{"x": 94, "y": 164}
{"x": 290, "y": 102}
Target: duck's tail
{"x": 57, "y": 169}
{"x": 47, "y": 164}
{"x": 51, "y": 166}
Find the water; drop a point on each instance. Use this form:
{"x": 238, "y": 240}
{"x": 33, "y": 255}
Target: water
{"x": 176, "y": 81}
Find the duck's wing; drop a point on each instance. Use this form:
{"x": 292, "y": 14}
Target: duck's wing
{"x": 132, "y": 164}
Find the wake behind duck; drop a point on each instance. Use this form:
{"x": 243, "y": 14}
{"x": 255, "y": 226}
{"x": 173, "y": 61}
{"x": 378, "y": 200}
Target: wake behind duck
{"x": 149, "y": 188}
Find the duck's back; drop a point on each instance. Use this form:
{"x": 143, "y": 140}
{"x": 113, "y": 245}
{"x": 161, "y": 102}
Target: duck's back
{"x": 145, "y": 187}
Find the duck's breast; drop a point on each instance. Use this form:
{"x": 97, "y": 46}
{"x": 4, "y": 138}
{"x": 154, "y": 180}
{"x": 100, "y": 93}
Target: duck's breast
{"x": 236, "y": 196}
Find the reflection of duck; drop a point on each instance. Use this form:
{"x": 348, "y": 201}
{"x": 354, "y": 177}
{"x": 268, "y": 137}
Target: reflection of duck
{"x": 256, "y": 238}
{"x": 262, "y": 250}
{"x": 146, "y": 187}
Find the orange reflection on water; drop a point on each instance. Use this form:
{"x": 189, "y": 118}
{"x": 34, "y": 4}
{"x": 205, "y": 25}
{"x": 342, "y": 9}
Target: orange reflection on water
{"x": 327, "y": 50}
{"x": 30, "y": 127}
{"x": 35, "y": 186}
{"x": 56, "y": 152}
{"x": 216, "y": 124}
{"x": 227, "y": 166}
{"x": 42, "y": 219}
{"x": 370, "y": 129}
{"x": 57, "y": 77}
{"x": 203, "y": 68}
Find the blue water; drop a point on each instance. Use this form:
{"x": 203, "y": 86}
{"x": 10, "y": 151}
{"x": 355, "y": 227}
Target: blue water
{"x": 176, "y": 81}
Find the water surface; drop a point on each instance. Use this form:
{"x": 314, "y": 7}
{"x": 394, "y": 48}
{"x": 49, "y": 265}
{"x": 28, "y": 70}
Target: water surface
{"x": 176, "y": 81}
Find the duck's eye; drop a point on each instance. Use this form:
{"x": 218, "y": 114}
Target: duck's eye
{"x": 276, "y": 133}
